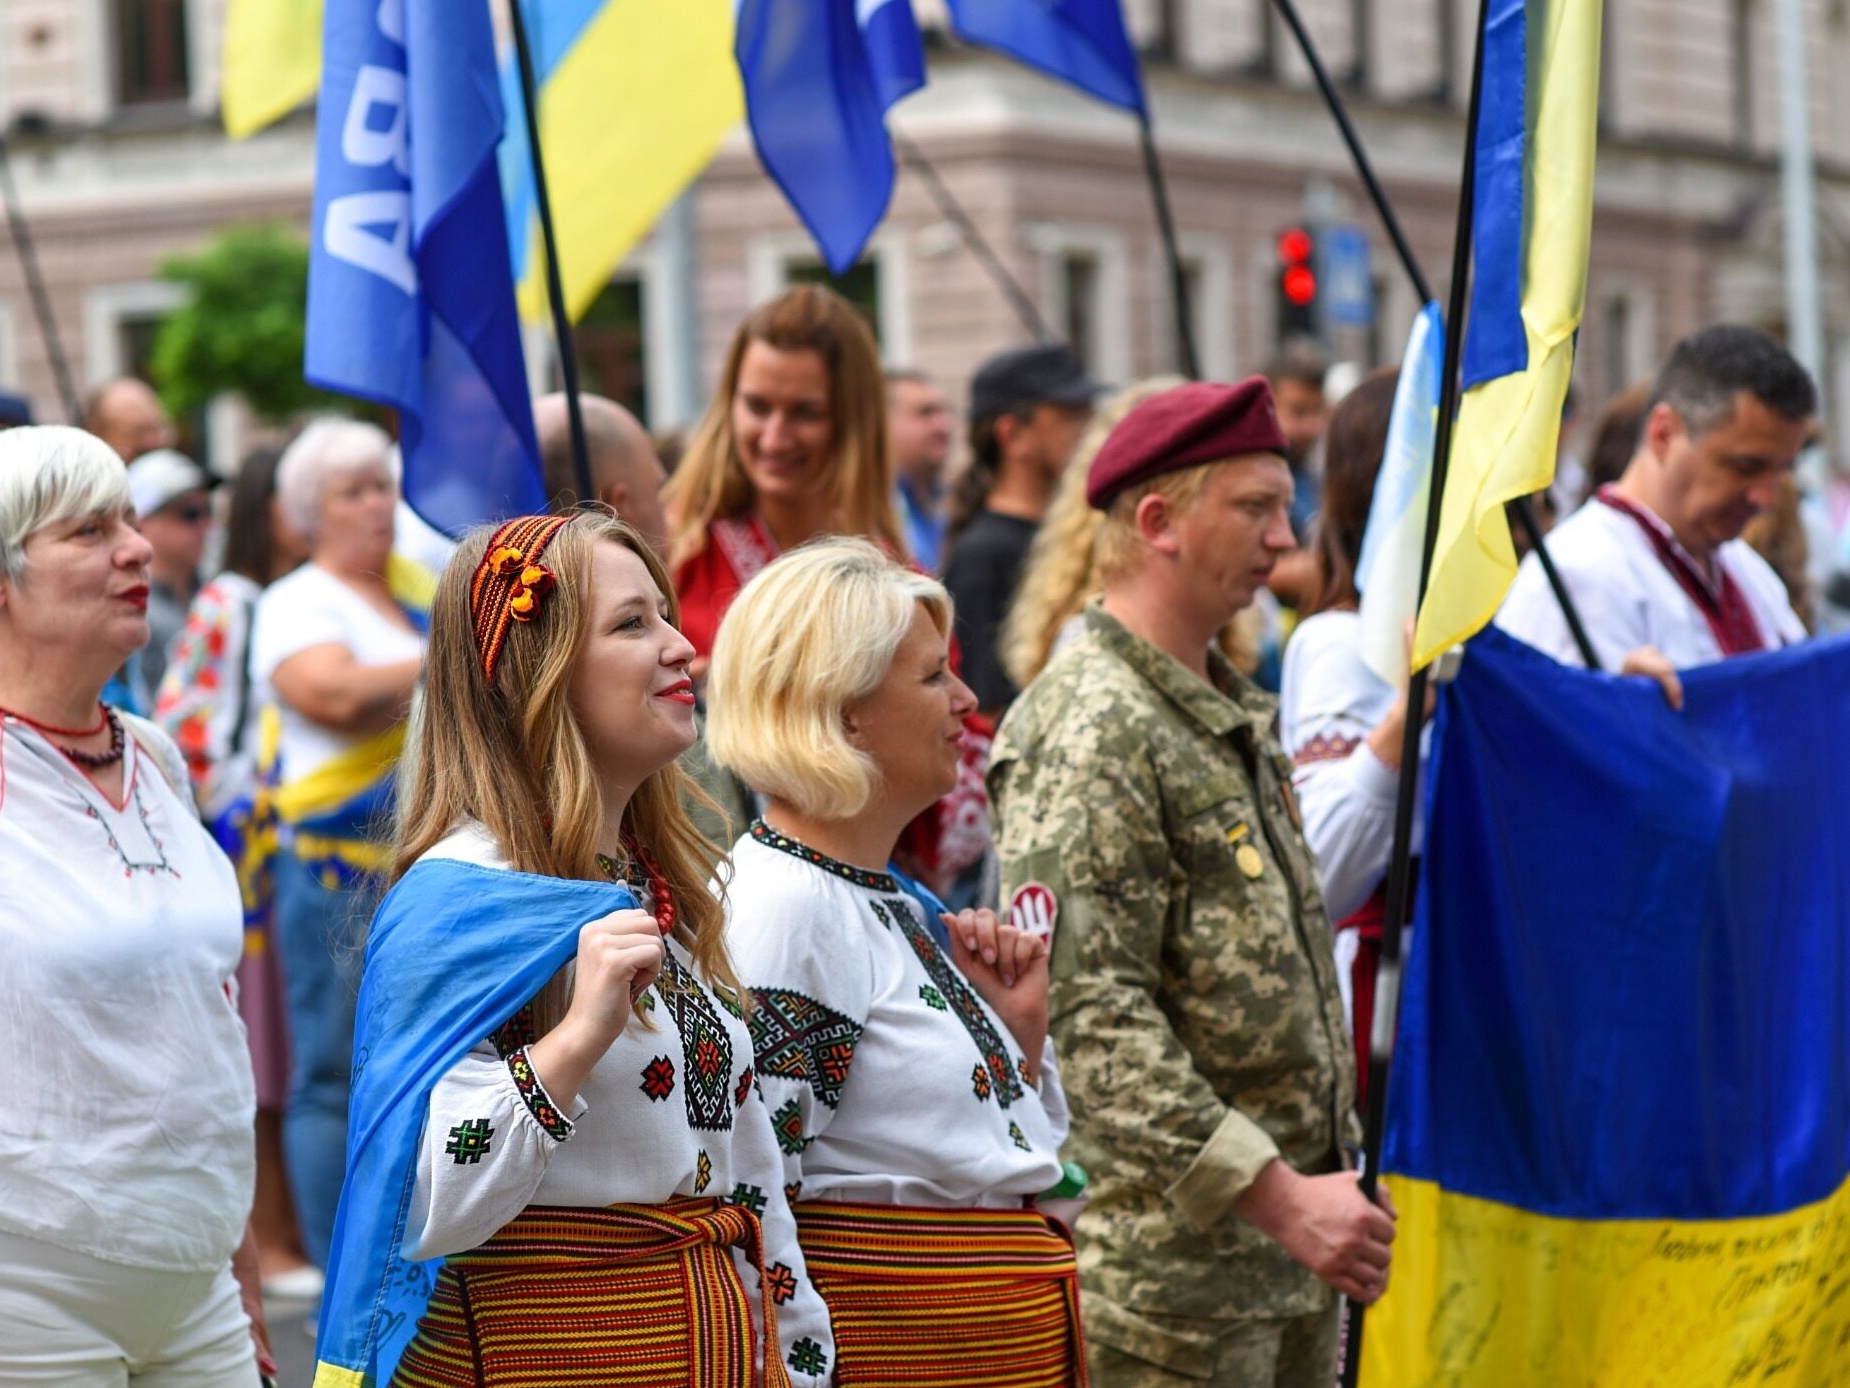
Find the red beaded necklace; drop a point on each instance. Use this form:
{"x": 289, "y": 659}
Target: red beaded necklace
{"x": 89, "y": 761}
{"x": 665, "y": 913}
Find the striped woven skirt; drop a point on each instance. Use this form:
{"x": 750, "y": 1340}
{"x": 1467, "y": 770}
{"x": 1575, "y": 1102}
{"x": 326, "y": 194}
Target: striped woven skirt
{"x": 632, "y": 1296}
{"x": 971, "y": 1298}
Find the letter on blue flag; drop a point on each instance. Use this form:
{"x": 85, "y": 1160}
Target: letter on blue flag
{"x": 1083, "y": 42}
{"x": 410, "y": 293}
{"x": 819, "y": 78}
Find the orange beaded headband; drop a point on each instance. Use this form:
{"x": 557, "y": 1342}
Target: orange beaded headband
{"x": 510, "y": 583}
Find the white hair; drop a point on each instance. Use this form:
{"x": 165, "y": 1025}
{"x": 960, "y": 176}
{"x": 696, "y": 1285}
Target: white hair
{"x": 51, "y": 473}
{"x": 326, "y": 449}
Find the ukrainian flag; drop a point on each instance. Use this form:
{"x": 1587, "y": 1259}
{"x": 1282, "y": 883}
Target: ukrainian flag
{"x": 1619, "y": 1123}
{"x": 1533, "y": 217}
{"x": 270, "y": 63}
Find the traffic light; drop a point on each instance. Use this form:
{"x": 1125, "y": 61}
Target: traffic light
{"x": 1298, "y": 309}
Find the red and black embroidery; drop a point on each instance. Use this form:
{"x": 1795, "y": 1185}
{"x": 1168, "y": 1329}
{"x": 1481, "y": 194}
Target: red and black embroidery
{"x": 787, "y": 1123}
{"x": 743, "y": 1090}
{"x": 792, "y": 1191}
{"x": 861, "y": 877}
{"x": 1324, "y": 747}
{"x": 533, "y": 1094}
{"x": 706, "y": 1047}
{"x": 798, "y": 1038}
{"x": 897, "y": 913}
{"x": 517, "y": 1031}
{"x": 979, "y": 1081}
{"x": 781, "y": 1281}
{"x": 658, "y": 1078}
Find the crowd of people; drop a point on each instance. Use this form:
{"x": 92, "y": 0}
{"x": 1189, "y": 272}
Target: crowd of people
{"x": 799, "y": 918}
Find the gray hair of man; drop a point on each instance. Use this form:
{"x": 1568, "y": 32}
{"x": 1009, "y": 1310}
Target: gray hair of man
{"x": 49, "y": 474}
{"x": 326, "y": 449}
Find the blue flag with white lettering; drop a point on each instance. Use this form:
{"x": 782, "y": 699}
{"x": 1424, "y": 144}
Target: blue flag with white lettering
{"x": 410, "y": 287}
{"x": 1083, "y": 42}
{"x": 819, "y": 76}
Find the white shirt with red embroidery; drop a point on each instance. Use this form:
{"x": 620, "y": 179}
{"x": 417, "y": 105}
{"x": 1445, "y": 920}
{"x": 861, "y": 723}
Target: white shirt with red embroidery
{"x": 126, "y": 1102}
{"x": 1627, "y": 598}
{"x": 645, "y": 1128}
{"x": 890, "y": 1081}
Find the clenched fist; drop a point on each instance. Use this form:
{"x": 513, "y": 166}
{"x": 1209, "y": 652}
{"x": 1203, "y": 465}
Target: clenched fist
{"x": 619, "y": 955}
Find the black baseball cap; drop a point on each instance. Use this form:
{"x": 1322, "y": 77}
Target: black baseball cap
{"x": 1047, "y": 372}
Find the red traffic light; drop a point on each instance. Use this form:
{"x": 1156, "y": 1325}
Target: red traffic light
{"x": 1295, "y": 247}
{"x": 1299, "y": 285}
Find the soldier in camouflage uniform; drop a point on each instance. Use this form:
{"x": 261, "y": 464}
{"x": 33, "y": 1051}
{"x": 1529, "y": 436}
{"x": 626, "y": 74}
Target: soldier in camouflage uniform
{"x": 1145, "y": 810}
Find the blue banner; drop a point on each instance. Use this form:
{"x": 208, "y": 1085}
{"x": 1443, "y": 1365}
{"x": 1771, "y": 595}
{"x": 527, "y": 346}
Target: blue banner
{"x": 1083, "y": 42}
{"x": 819, "y": 77}
{"x": 410, "y": 294}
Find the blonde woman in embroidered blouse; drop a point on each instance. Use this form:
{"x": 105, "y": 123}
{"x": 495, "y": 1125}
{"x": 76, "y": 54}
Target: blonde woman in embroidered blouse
{"x": 126, "y": 1151}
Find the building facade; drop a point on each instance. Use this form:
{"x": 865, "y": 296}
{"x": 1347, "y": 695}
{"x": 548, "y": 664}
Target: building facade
{"x": 109, "y": 108}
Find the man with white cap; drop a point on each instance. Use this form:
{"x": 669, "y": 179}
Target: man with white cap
{"x": 173, "y": 504}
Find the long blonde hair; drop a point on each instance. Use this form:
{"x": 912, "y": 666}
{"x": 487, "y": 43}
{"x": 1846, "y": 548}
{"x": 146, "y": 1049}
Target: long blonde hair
{"x": 711, "y": 482}
{"x": 1061, "y": 574}
{"x": 513, "y": 757}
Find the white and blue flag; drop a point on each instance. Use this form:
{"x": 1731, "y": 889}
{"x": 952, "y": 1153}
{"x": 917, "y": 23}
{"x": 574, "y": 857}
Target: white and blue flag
{"x": 819, "y": 77}
{"x": 1388, "y": 575}
{"x": 410, "y": 290}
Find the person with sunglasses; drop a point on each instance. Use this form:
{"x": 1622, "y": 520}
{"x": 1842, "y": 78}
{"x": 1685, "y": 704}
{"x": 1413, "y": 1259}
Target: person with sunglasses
{"x": 172, "y": 496}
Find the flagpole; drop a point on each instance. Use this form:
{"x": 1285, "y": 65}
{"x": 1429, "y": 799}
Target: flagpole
{"x": 1400, "y": 863}
{"x": 35, "y": 288}
{"x": 1390, "y": 221}
{"x": 973, "y": 238}
{"x": 1165, "y": 224}
{"x": 555, "y": 286}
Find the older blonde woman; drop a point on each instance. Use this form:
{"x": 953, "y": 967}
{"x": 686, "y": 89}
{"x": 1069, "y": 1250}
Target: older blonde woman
{"x": 126, "y": 1108}
{"x": 339, "y": 652}
{"x": 911, "y": 1087}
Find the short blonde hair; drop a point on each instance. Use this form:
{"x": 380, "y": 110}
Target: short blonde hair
{"x": 51, "y": 473}
{"x": 1120, "y": 548}
{"x": 812, "y": 634}
{"x": 329, "y": 447}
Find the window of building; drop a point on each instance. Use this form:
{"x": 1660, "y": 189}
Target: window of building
{"x": 612, "y": 346}
{"x": 1618, "y": 344}
{"x": 1079, "y": 304}
{"x": 860, "y": 286}
{"x": 1741, "y": 53}
{"x": 150, "y": 51}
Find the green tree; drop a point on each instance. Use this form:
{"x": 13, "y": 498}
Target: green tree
{"x": 242, "y": 325}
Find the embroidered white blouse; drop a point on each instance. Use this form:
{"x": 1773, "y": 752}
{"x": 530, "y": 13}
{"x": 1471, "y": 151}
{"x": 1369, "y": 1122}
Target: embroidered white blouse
{"x": 1627, "y": 598}
{"x": 126, "y": 1104}
{"x": 889, "y": 1080}
{"x": 669, "y": 1112}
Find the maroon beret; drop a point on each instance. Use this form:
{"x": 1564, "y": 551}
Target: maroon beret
{"x": 1197, "y": 423}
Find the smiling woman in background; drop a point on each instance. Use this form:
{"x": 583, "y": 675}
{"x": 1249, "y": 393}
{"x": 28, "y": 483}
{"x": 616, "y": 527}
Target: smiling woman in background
{"x": 793, "y": 446}
{"x": 126, "y": 1108}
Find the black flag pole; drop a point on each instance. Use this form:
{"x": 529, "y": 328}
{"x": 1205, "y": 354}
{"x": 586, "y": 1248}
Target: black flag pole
{"x": 555, "y": 287}
{"x": 35, "y": 288}
{"x": 1400, "y": 863}
{"x": 973, "y": 238}
{"x": 1390, "y": 221}
{"x": 1172, "y": 251}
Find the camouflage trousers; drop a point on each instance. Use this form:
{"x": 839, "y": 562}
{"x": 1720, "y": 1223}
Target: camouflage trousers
{"x": 1299, "y": 1352}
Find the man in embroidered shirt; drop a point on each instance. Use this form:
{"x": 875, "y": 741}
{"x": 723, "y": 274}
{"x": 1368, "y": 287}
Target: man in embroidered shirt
{"x": 1146, "y": 818}
{"x": 1656, "y": 560}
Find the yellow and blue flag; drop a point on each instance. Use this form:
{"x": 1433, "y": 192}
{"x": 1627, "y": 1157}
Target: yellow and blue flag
{"x": 1387, "y": 575}
{"x": 270, "y": 62}
{"x": 1083, "y": 42}
{"x": 1619, "y": 1122}
{"x": 1533, "y": 215}
{"x": 635, "y": 97}
{"x": 410, "y": 288}
{"x": 820, "y": 76}
{"x": 453, "y": 952}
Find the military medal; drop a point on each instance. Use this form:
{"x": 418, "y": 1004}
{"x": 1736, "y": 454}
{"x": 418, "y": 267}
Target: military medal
{"x": 1245, "y": 855}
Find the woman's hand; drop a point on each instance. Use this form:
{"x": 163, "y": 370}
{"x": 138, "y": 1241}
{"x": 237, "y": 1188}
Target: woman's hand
{"x": 1008, "y": 968}
{"x": 619, "y": 955}
{"x": 250, "y": 1293}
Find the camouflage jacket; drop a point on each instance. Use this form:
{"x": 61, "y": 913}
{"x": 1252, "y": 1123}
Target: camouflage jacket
{"x": 1194, "y": 1003}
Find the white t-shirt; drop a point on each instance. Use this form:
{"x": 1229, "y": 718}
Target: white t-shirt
{"x": 646, "y": 1127}
{"x": 127, "y": 1106}
{"x": 311, "y": 607}
{"x": 889, "y": 1080}
{"x": 1627, "y": 598}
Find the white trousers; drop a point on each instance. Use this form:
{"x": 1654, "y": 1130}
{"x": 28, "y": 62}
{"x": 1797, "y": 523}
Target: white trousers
{"x": 78, "y": 1322}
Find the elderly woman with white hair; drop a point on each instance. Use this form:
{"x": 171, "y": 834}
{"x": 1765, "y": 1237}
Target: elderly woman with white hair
{"x": 340, "y": 652}
{"x": 126, "y": 1104}
{"x": 911, "y": 1087}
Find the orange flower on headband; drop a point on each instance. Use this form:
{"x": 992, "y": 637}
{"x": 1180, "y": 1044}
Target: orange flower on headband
{"x": 510, "y": 583}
